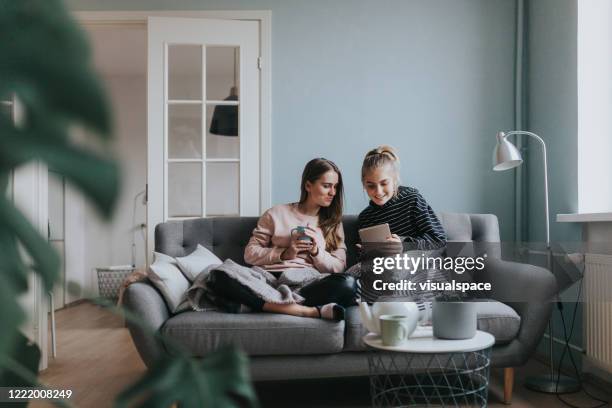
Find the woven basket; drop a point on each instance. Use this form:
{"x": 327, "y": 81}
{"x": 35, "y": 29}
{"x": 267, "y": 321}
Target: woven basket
{"x": 110, "y": 279}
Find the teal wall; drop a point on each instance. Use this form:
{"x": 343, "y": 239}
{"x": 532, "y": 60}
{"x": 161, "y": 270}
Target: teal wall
{"x": 432, "y": 77}
{"x": 553, "y": 114}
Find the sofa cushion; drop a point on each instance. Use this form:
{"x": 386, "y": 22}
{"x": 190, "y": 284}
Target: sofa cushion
{"x": 493, "y": 317}
{"x": 194, "y": 263}
{"x": 168, "y": 279}
{"x": 499, "y": 319}
{"x": 256, "y": 333}
{"x": 458, "y": 227}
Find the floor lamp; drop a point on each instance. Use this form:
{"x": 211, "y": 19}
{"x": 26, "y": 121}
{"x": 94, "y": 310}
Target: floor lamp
{"x": 505, "y": 157}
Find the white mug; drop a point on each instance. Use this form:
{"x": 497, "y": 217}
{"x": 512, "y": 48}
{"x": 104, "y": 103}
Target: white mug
{"x": 395, "y": 329}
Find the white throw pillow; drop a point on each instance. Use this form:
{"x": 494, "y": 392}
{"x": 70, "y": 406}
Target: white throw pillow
{"x": 194, "y": 263}
{"x": 168, "y": 279}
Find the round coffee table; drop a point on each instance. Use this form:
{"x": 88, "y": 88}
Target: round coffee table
{"x": 427, "y": 371}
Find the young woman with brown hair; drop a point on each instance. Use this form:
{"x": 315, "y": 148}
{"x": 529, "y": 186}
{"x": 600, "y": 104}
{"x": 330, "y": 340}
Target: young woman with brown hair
{"x": 318, "y": 244}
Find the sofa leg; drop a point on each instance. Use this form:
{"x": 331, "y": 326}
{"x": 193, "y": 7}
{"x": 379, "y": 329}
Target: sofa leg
{"x": 508, "y": 384}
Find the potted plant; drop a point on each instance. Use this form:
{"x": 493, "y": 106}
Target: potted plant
{"x": 454, "y": 316}
{"x": 46, "y": 66}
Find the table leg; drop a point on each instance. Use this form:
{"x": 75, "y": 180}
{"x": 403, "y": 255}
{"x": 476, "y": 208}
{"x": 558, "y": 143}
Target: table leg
{"x": 508, "y": 384}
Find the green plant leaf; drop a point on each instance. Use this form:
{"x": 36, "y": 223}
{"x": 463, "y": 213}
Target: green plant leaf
{"x": 45, "y": 55}
{"x": 231, "y": 375}
{"x": 97, "y": 177}
{"x": 12, "y": 269}
{"x": 19, "y": 371}
{"x": 11, "y": 316}
{"x": 219, "y": 380}
{"x": 45, "y": 63}
{"x": 28, "y": 357}
{"x": 44, "y": 258}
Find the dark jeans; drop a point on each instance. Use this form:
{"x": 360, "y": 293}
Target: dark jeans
{"x": 335, "y": 288}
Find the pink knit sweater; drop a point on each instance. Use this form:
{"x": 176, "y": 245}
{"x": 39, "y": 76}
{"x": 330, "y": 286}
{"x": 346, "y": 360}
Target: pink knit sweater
{"x": 273, "y": 235}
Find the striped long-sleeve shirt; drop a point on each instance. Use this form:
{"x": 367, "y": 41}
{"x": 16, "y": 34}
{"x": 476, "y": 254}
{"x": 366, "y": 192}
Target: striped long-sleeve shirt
{"x": 408, "y": 216}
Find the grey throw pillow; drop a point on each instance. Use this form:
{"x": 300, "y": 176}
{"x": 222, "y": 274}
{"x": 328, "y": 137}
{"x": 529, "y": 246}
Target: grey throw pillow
{"x": 194, "y": 263}
{"x": 168, "y": 279}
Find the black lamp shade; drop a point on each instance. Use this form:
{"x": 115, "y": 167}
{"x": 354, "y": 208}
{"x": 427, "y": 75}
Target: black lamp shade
{"x": 225, "y": 119}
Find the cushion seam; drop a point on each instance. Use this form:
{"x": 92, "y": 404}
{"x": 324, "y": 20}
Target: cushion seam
{"x": 241, "y": 329}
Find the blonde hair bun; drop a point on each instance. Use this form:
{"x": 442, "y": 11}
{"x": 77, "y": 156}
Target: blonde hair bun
{"x": 380, "y": 156}
{"x": 385, "y": 150}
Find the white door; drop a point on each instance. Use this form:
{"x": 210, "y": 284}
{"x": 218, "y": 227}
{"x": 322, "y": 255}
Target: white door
{"x": 203, "y": 119}
{"x": 56, "y": 233}
{"x": 28, "y": 190}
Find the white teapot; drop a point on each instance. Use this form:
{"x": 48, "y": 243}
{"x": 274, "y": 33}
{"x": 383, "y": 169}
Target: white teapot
{"x": 370, "y": 318}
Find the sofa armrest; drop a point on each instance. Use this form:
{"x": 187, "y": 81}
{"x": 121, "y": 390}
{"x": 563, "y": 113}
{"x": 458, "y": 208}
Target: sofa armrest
{"x": 517, "y": 282}
{"x": 530, "y": 291}
{"x": 146, "y": 303}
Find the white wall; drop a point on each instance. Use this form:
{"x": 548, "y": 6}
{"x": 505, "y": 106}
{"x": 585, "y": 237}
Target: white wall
{"x": 109, "y": 243}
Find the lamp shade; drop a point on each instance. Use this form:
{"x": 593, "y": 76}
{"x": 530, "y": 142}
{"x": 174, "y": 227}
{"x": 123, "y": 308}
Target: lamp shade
{"x": 505, "y": 156}
{"x": 224, "y": 120}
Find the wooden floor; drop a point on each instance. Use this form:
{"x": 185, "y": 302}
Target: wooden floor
{"x": 96, "y": 359}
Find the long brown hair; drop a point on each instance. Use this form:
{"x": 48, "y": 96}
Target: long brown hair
{"x": 329, "y": 217}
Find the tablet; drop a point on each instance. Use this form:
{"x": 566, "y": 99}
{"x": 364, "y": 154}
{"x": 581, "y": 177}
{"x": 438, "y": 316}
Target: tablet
{"x": 377, "y": 233}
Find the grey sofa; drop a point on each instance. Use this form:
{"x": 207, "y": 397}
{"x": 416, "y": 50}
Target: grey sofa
{"x": 288, "y": 347}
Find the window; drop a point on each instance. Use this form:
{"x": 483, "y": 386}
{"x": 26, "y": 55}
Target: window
{"x": 594, "y": 106}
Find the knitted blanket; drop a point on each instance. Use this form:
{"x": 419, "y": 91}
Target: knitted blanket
{"x": 266, "y": 286}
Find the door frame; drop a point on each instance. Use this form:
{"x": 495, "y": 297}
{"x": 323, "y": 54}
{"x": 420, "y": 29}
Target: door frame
{"x": 30, "y": 195}
{"x": 264, "y": 18}
{"x": 29, "y": 191}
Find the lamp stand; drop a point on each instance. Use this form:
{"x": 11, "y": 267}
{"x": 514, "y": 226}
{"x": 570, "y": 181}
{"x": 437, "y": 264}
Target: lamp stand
{"x": 548, "y": 383}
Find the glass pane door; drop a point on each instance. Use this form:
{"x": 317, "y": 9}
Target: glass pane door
{"x": 202, "y": 135}
{"x": 203, "y": 119}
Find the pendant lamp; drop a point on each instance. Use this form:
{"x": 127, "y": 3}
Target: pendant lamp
{"x": 225, "y": 117}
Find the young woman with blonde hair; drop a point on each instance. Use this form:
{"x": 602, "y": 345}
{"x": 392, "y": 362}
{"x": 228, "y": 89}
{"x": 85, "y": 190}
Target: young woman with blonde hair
{"x": 411, "y": 220}
{"x": 412, "y": 223}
